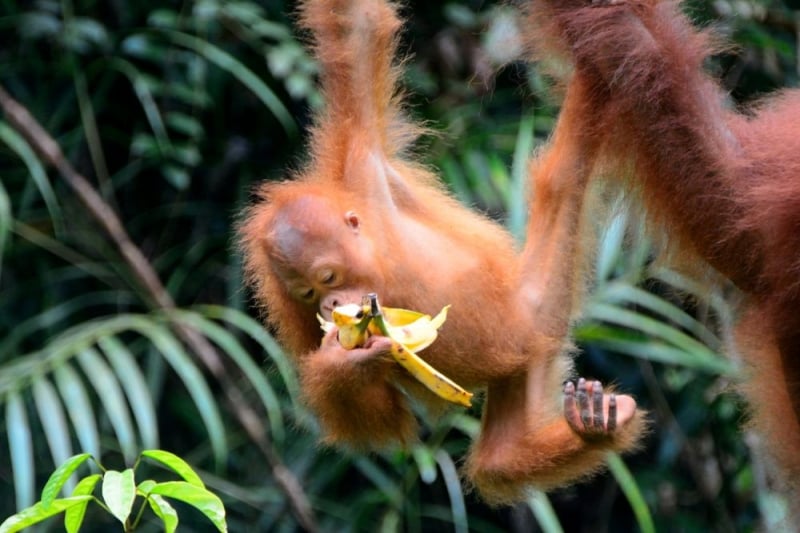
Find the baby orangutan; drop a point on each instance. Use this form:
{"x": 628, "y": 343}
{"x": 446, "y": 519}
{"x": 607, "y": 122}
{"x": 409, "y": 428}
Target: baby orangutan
{"x": 361, "y": 217}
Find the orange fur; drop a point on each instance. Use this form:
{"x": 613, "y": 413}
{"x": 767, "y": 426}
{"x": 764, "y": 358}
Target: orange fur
{"x": 726, "y": 185}
{"x": 362, "y": 218}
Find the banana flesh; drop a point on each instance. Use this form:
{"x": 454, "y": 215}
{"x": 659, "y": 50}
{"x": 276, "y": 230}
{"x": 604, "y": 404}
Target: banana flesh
{"x": 353, "y": 323}
{"x": 410, "y": 332}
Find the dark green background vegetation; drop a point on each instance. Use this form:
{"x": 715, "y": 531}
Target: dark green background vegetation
{"x": 174, "y": 110}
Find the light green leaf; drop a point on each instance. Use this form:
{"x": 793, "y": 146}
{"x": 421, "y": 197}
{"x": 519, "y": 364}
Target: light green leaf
{"x": 201, "y": 499}
{"x": 86, "y": 485}
{"x": 53, "y": 420}
{"x": 176, "y": 464}
{"x": 73, "y": 518}
{"x": 119, "y": 491}
{"x": 36, "y": 513}
{"x": 60, "y": 476}
{"x": 108, "y": 388}
{"x": 20, "y": 447}
{"x": 145, "y": 487}
{"x": 164, "y": 511}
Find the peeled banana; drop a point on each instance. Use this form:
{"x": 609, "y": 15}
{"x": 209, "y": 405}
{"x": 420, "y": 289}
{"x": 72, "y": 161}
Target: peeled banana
{"x": 410, "y": 332}
{"x": 353, "y": 323}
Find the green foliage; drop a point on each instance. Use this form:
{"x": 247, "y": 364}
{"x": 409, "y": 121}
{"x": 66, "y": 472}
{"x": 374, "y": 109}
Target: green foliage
{"x": 119, "y": 493}
{"x": 174, "y": 111}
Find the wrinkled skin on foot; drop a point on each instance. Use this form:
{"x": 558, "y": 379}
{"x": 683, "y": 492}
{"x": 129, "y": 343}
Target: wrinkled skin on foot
{"x": 594, "y": 414}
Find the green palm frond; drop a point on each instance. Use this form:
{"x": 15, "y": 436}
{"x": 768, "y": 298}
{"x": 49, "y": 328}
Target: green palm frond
{"x": 89, "y": 374}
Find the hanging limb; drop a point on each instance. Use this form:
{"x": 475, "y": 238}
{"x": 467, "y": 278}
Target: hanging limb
{"x": 50, "y": 152}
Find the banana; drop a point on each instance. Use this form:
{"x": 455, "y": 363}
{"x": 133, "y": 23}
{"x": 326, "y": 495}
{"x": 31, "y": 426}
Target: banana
{"x": 416, "y": 331}
{"x": 410, "y": 332}
{"x": 423, "y": 331}
{"x": 353, "y": 322}
{"x": 435, "y": 381}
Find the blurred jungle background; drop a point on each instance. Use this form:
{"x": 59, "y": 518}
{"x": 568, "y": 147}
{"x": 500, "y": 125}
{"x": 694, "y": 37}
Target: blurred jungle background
{"x": 167, "y": 114}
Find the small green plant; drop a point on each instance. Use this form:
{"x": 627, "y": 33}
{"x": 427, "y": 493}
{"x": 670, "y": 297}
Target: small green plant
{"x": 119, "y": 492}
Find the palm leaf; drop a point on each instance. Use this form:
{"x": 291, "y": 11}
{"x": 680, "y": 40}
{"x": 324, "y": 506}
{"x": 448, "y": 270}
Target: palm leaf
{"x": 135, "y": 388}
{"x": 112, "y": 399}
{"x": 233, "y": 349}
{"x": 54, "y": 421}
{"x": 20, "y": 444}
{"x": 75, "y": 396}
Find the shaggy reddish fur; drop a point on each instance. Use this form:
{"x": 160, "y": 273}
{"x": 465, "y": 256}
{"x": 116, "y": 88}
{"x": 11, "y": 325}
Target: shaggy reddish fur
{"x": 725, "y": 184}
{"x": 360, "y": 217}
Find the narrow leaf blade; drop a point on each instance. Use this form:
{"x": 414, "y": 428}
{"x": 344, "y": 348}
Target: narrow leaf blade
{"x": 108, "y": 389}
{"x": 20, "y": 446}
{"x": 247, "y": 77}
{"x": 201, "y": 499}
{"x": 73, "y": 518}
{"x": 256, "y": 375}
{"x": 195, "y": 384}
{"x": 257, "y": 332}
{"x": 176, "y": 464}
{"x": 632, "y": 492}
{"x": 135, "y": 386}
{"x": 60, "y": 476}
{"x": 36, "y": 513}
{"x": 76, "y": 398}
{"x": 454, "y": 491}
{"x": 164, "y": 511}
{"x": 54, "y": 422}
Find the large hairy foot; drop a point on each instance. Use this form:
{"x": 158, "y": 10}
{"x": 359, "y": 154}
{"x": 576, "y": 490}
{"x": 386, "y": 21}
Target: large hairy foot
{"x": 594, "y": 414}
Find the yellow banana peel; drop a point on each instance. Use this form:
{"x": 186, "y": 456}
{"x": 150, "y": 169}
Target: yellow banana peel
{"x": 416, "y": 331}
{"x": 410, "y": 332}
